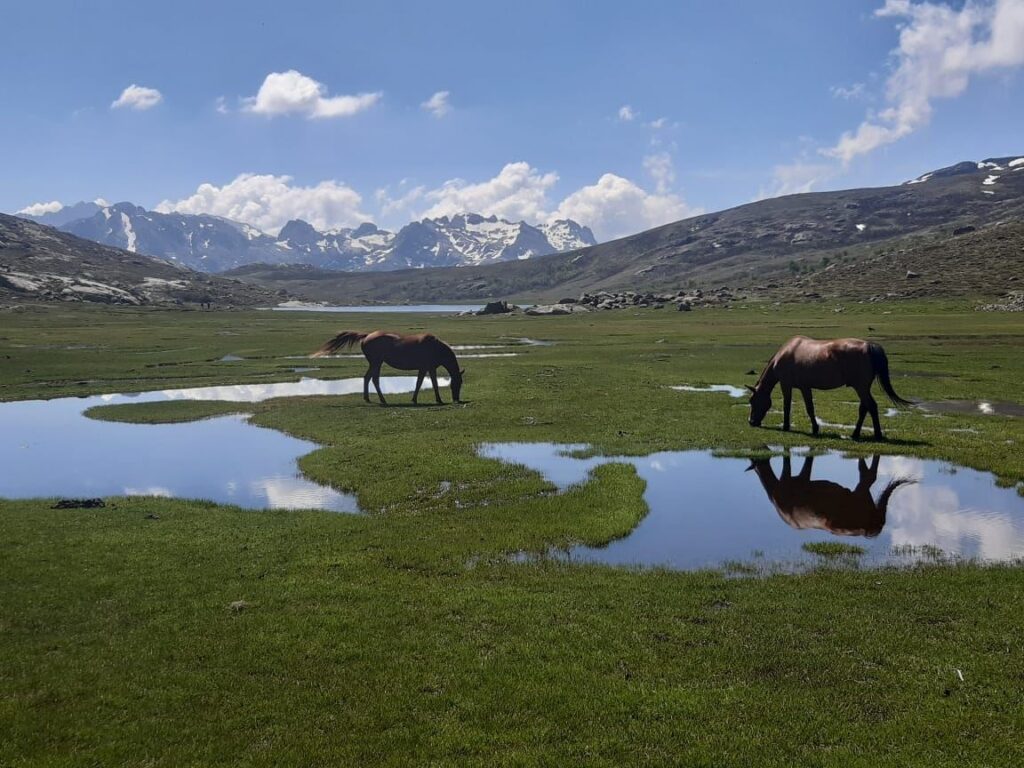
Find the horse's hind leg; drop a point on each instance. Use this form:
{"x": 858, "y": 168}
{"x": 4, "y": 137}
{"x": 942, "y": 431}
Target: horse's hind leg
{"x": 873, "y": 409}
{"x": 419, "y": 383}
{"x": 376, "y": 385}
{"x": 860, "y": 420}
{"x": 433, "y": 381}
{"x": 809, "y": 403}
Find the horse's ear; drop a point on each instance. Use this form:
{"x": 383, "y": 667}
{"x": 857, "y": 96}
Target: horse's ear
{"x": 751, "y": 389}
{"x": 462, "y": 372}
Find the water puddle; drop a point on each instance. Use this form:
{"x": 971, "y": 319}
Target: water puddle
{"x": 435, "y": 308}
{"x": 230, "y": 359}
{"x": 974, "y": 407}
{"x": 729, "y": 389}
{"x": 49, "y": 448}
{"x": 706, "y": 511}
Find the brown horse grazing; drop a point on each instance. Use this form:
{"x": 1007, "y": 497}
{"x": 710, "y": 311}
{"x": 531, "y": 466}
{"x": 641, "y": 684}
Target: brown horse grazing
{"x": 422, "y": 352}
{"x": 806, "y": 364}
{"x": 821, "y": 504}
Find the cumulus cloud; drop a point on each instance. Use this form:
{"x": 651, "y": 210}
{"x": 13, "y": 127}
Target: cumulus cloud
{"x": 439, "y": 104}
{"x": 268, "y": 202}
{"x": 293, "y": 93}
{"x": 626, "y": 114}
{"x": 615, "y": 207}
{"x": 940, "y": 48}
{"x": 137, "y": 97}
{"x": 518, "y": 192}
{"x": 40, "y": 209}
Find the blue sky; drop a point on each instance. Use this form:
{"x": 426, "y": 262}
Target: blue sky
{"x": 727, "y": 102}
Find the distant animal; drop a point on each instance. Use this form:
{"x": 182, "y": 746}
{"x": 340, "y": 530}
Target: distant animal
{"x": 824, "y": 505}
{"x": 806, "y": 364}
{"x": 422, "y": 352}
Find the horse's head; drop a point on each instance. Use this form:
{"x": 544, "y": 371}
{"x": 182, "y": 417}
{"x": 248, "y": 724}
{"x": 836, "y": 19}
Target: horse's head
{"x": 760, "y": 404}
{"x": 456, "y": 376}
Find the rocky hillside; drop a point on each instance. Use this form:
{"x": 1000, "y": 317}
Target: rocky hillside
{"x": 214, "y": 244}
{"x": 39, "y": 263}
{"x": 769, "y": 242}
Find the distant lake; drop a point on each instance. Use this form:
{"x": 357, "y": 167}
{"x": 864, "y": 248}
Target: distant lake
{"x": 435, "y": 308}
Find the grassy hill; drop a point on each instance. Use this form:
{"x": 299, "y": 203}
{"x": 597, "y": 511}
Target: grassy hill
{"x": 769, "y": 241}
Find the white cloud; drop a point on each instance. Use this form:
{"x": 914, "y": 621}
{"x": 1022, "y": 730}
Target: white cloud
{"x": 518, "y": 192}
{"x": 848, "y": 93}
{"x": 940, "y": 48}
{"x": 137, "y": 97}
{"x": 221, "y": 105}
{"x": 662, "y": 170}
{"x": 291, "y": 92}
{"x": 268, "y": 202}
{"x": 39, "y": 209}
{"x": 439, "y": 104}
{"x": 797, "y": 177}
{"x": 615, "y": 207}
{"x": 399, "y": 207}
{"x": 626, "y": 113}
{"x": 661, "y": 122}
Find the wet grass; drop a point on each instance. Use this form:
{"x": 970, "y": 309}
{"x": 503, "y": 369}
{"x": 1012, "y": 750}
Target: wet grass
{"x": 174, "y": 411}
{"x": 833, "y": 549}
{"x": 406, "y": 636}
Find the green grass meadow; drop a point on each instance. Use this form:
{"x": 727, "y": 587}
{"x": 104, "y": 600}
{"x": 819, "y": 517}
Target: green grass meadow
{"x": 408, "y": 636}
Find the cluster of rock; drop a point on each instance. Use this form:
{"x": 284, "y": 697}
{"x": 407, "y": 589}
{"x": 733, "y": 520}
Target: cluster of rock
{"x": 682, "y": 301}
{"x": 1014, "y": 302}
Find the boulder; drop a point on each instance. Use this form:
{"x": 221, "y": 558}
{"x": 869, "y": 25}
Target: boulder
{"x": 556, "y": 309}
{"x": 497, "y": 308}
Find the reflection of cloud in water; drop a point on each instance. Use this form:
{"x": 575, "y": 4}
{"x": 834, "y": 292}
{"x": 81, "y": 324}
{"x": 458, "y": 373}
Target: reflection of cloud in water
{"x": 933, "y": 515}
{"x": 729, "y": 389}
{"x": 298, "y": 493}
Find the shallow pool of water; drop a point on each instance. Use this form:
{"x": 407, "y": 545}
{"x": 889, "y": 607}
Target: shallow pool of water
{"x": 705, "y": 511}
{"x": 728, "y": 389}
{"x": 49, "y": 448}
{"x": 434, "y": 308}
{"x": 974, "y": 407}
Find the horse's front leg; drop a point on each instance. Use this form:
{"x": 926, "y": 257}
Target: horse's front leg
{"x": 433, "y": 381}
{"x": 787, "y": 405}
{"x": 419, "y": 383}
{"x": 809, "y": 404}
{"x": 366, "y": 383}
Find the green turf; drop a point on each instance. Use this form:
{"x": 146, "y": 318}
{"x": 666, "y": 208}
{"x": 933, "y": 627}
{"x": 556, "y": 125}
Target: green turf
{"x": 407, "y": 636}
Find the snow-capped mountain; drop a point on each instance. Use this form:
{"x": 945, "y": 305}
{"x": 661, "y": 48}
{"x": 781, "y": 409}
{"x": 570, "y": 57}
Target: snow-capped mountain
{"x": 215, "y": 244}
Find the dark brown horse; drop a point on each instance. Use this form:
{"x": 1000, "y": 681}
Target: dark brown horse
{"x": 821, "y": 504}
{"x": 422, "y": 352}
{"x": 806, "y": 364}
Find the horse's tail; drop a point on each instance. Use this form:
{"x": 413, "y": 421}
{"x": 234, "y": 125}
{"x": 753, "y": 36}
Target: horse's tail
{"x": 882, "y": 505}
{"x": 343, "y": 339}
{"x": 880, "y": 363}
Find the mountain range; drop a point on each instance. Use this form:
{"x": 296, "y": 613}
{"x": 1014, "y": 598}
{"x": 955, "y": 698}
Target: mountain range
{"x": 215, "y": 244}
{"x": 969, "y": 211}
{"x": 40, "y": 263}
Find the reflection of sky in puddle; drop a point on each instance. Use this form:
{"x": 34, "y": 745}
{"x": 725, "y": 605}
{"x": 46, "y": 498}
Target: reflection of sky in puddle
{"x": 48, "y": 448}
{"x": 982, "y": 407}
{"x": 729, "y": 389}
{"x": 438, "y": 308}
{"x": 705, "y": 510}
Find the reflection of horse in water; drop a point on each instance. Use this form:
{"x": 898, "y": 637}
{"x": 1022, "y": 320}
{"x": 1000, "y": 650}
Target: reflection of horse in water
{"x": 805, "y": 503}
